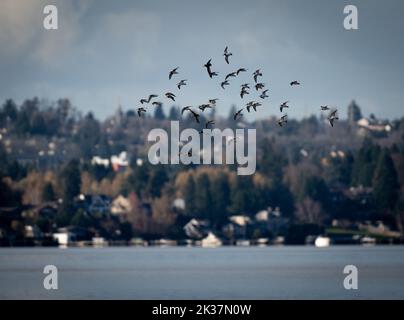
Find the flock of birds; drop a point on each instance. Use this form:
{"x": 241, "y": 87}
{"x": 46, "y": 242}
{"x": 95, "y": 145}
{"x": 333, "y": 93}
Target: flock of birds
{"x": 251, "y": 105}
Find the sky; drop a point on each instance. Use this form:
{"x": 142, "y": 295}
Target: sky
{"x": 107, "y": 53}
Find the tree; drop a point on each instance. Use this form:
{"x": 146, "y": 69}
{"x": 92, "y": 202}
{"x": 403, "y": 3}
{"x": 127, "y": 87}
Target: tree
{"x": 310, "y": 212}
{"x": 157, "y": 181}
{"x": 385, "y": 183}
{"x": 189, "y": 196}
{"x": 8, "y": 196}
{"x": 71, "y": 184}
{"x": 354, "y": 112}
{"x": 316, "y": 189}
{"x": 138, "y": 180}
{"x": 159, "y": 113}
{"x": 203, "y": 197}
{"x": 48, "y": 194}
{"x": 242, "y": 195}
{"x": 88, "y": 135}
{"x": 220, "y": 198}
{"x": 271, "y": 161}
{"x": 365, "y": 164}
{"x": 10, "y": 110}
{"x": 81, "y": 219}
{"x": 174, "y": 113}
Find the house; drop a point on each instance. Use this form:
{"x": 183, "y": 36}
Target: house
{"x": 237, "y": 226}
{"x": 64, "y": 237}
{"x": 270, "y": 220}
{"x": 373, "y": 126}
{"x": 96, "y": 160}
{"x": 95, "y": 203}
{"x": 120, "y": 162}
{"x": 211, "y": 241}
{"x": 32, "y": 232}
{"x": 179, "y": 203}
{"x": 121, "y": 206}
{"x": 197, "y": 229}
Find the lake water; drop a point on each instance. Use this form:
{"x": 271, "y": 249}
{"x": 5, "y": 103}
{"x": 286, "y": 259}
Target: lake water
{"x": 202, "y": 273}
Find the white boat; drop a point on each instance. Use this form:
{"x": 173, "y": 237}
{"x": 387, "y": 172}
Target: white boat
{"x": 243, "y": 243}
{"x": 322, "y": 242}
{"x": 368, "y": 240}
{"x": 211, "y": 241}
{"x": 262, "y": 242}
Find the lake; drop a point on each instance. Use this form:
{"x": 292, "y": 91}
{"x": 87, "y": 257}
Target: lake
{"x": 286, "y": 272}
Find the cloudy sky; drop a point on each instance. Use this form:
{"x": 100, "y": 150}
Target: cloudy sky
{"x": 110, "y": 52}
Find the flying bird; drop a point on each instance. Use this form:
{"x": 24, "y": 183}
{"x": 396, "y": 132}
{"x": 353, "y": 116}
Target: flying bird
{"x": 212, "y": 73}
{"x": 284, "y": 105}
{"x": 210, "y": 122}
{"x": 187, "y": 108}
{"x": 182, "y": 83}
{"x": 257, "y": 73}
{"x": 196, "y": 115}
{"x": 332, "y": 117}
{"x": 224, "y": 83}
{"x": 324, "y": 108}
{"x": 245, "y": 86}
{"x": 259, "y": 86}
{"x": 173, "y": 72}
{"x": 213, "y": 101}
{"x": 231, "y": 74}
{"x": 140, "y": 110}
{"x": 240, "y": 70}
{"x": 204, "y": 106}
{"x": 253, "y": 105}
{"x": 243, "y": 92}
{"x": 282, "y": 120}
{"x": 264, "y": 95}
{"x": 295, "y": 83}
{"x": 333, "y": 113}
{"x": 227, "y": 54}
{"x": 148, "y": 99}
{"x": 208, "y": 64}
{"x": 207, "y": 124}
{"x": 170, "y": 95}
{"x": 238, "y": 114}
{"x": 157, "y": 103}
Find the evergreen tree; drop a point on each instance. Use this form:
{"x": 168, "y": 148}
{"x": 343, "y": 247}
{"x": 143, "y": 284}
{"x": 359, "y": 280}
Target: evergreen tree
{"x": 48, "y": 194}
{"x": 157, "y": 181}
{"x": 88, "y": 135}
{"x": 271, "y": 161}
{"x": 159, "y": 113}
{"x": 242, "y": 196}
{"x": 71, "y": 184}
{"x": 174, "y": 113}
{"x": 354, "y": 113}
{"x": 189, "y": 197}
{"x": 316, "y": 189}
{"x": 220, "y": 198}
{"x": 365, "y": 164}
{"x": 138, "y": 180}
{"x": 203, "y": 197}
{"x": 10, "y": 110}
{"x": 385, "y": 183}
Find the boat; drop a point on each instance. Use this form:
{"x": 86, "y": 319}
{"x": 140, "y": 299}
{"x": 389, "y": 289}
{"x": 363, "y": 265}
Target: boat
{"x": 368, "y": 241}
{"x": 262, "y": 242}
{"x": 322, "y": 242}
{"x": 243, "y": 243}
{"x": 211, "y": 241}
